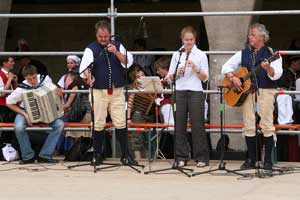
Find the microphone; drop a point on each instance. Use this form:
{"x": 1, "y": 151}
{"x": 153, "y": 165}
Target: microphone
{"x": 181, "y": 50}
{"x": 113, "y": 37}
{"x": 112, "y": 41}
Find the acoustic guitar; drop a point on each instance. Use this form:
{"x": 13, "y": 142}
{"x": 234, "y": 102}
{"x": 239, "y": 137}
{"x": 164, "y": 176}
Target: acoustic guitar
{"x": 231, "y": 95}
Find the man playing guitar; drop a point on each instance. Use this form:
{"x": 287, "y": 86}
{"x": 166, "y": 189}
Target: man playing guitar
{"x": 263, "y": 80}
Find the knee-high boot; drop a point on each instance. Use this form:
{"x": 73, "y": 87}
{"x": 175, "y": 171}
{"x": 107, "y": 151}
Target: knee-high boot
{"x": 251, "y": 146}
{"x": 122, "y": 137}
{"x": 98, "y": 138}
{"x": 269, "y": 143}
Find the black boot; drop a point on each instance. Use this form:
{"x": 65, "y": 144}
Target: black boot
{"x": 269, "y": 143}
{"x": 122, "y": 137}
{"x": 251, "y": 146}
{"x": 98, "y": 138}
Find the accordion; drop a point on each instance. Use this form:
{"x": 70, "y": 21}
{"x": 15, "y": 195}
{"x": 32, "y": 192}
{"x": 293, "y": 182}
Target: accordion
{"x": 144, "y": 103}
{"x": 43, "y": 104}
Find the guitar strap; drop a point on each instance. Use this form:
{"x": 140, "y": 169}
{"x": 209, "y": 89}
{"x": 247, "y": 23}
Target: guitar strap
{"x": 271, "y": 51}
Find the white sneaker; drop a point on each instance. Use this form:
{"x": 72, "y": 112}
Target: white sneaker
{"x": 181, "y": 164}
{"x": 201, "y": 164}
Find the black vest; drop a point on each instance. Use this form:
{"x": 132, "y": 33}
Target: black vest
{"x": 101, "y": 68}
{"x": 263, "y": 79}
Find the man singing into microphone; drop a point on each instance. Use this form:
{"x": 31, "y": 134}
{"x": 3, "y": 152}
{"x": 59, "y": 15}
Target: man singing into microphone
{"x": 107, "y": 78}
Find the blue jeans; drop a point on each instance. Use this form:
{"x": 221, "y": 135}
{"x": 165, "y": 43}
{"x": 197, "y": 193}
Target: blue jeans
{"x": 48, "y": 146}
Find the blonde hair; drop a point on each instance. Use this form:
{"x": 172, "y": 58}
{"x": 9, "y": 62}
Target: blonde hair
{"x": 188, "y": 29}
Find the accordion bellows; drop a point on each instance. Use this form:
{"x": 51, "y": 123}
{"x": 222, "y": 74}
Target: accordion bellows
{"x": 43, "y": 104}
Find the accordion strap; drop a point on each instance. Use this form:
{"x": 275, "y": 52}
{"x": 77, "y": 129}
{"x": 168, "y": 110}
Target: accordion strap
{"x": 28, "y": 87}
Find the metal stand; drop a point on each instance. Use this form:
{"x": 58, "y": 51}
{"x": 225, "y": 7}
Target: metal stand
{"x": 222, "y": 164}
{"x": 174, "y": 166}
{"x": 259, "y": 170}
{"x": 260, "y": 173}
{"x": 110, "y": 165}
{"x": 93, "y": 161}
{"x": 132, "y": 166}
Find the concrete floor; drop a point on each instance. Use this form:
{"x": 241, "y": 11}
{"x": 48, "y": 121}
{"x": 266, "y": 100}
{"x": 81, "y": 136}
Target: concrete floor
{"x": 57, "y": 182}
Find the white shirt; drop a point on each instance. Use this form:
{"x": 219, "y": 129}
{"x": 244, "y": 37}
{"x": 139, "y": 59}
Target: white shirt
{"x": 17, "y": 95}
{"x": 190, "y": 80}
{"x": 1, "y": 81}
{"x": 297, "y": 96}
{"x": 88, "y": 58}
{"x": 61, "y": 82}
{"x": 235, "y": 61}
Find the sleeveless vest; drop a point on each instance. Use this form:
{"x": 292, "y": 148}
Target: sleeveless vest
{"x": 107, "y": 68}
{"x": 251, "y": 59}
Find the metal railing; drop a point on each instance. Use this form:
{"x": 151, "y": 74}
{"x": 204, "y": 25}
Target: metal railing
{"x": 64, "y": 53}
{"x": 112, "y": 14}
{"x": 165, "y": 91}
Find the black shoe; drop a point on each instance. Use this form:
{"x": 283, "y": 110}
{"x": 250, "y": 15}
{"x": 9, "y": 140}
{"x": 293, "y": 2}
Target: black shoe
{"x": 129, "y": 161}
{"x": 98, "y": 160}
{"x": 248, "y": 164}
{"x": 47, "y": 160}
{"x": 267, "y": 165}
{"x": 24, "y": 162}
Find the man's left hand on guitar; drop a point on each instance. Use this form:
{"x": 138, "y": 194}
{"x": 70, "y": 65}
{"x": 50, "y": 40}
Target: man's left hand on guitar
{"x": 267, "y": 67}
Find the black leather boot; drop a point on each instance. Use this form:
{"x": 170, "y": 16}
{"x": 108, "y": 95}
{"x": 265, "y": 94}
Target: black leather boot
{"x": 251, "y": 146}
{"x": 269, "y": 143}
{"x": 98, "y": 138}
{"x": 122, "y": 137}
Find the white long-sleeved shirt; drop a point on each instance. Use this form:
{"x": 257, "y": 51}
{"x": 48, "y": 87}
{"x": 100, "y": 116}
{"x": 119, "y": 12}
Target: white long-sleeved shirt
{"x": 190, "y": 80}
{"x": 88, "y": 58}
{"x": 297, "y": 96}
{"x": 235, "y": 61}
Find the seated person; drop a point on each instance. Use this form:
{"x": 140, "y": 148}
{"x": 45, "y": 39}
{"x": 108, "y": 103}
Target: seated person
{"x": 77, "y": 83}
{"x": 164, "y": 101}
{"x": 73, "y": 63}
{"x": 287, "y": 82}
{"x": 15, "y": 102}
{"x": 140, "y": 109}
{"x": 145, "y": 61}
{"x": 23, "y": 46}
{"x": 8, "y": 81}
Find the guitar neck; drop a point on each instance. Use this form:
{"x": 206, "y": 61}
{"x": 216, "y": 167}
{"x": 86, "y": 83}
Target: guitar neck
{"x": 247, "y": 76}
{"x": 273, "y": 57}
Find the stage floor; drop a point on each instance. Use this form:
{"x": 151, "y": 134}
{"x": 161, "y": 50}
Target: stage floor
{"x": 45, "y": 181}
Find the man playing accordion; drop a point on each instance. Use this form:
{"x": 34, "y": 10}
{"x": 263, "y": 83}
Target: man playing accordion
{"x": 15, "y": 102}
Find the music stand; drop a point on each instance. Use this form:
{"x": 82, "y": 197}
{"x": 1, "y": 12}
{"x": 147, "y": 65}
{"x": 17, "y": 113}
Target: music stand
{"x": 152, "y": 84}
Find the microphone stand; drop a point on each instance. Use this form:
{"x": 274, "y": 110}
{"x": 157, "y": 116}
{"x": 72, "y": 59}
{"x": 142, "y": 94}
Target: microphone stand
{"x": 132, "y": 166}
{"x": 260, "y": 173}
{"x": 93, "y": 161}
{"x": 174, "y": 166}
{"x": 222, "y": 164}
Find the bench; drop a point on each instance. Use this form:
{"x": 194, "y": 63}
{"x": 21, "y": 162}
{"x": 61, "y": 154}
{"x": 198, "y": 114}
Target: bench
{"x": 149, "y": 127}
